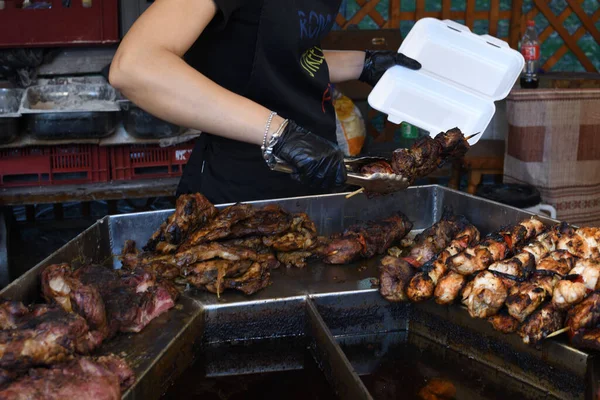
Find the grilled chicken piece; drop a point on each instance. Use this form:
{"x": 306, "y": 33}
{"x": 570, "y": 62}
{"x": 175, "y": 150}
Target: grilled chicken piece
{"x": 302, "y": 236}
{"x": 503, "y": 322}
{"x": 485, "y": 295}
{"x": 191, "y": 212}
{"x": 366, "y": 239}
{"x": 220, "y": 227}
{"x": 208, "y": 251}
{"x": 541, "y": 323}
{"x": 377, "y": 167}
{"x": 256, "y": 278}
{"x": 206, "y": 272}
{"x": 44, "y": 336}
{"x": 584, "y": 315}
{"x": 103, "y": 378}
{"x": 559, "y": 263}
{"x": 422, "y": 285}
{"x": 518, "y": 235}
{"x": 395, "y": 273}
{"x": 449, "y": 287}
{"x": 519, "y": 267}
{"x": 582, "y": 279}
{"x": 582, "y": 242}
{"x": 479, "y": 257}
{"x": 268, "y": 221}
{"x": 525, "y": 297}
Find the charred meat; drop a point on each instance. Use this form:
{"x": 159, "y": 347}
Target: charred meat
{"x": 541, "y": 323}
{"x": 83, "y": 378}
{"x": 191, "y": 212}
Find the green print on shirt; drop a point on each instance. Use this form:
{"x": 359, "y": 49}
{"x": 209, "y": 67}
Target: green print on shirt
{"x": 312, "y": 59}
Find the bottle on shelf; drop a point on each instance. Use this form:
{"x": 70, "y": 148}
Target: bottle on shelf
{"x": 530, "y": 48}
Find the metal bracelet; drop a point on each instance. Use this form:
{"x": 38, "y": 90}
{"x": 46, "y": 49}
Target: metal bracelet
{"x": 267, "y": 128}
{"x": 268, "y": 153}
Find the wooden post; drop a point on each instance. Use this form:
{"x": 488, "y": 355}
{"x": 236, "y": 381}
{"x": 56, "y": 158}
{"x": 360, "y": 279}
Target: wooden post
{"x": 515, "y": 23}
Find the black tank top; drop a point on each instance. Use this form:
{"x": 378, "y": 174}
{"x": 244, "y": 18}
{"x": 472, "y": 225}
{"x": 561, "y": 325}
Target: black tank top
{"x": 268, "y": 51}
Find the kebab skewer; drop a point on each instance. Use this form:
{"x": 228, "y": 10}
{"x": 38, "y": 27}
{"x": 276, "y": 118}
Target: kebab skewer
{"x": 395, "y": 272}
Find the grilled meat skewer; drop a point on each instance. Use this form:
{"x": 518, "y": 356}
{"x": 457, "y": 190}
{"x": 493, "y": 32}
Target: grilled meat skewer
{"x": 541, "y": 323}
{"x": 395, "y": 273}
{"x": 421, "y": 287}
{"x": 495, "y": 247}
{"x": 449, "y": 287}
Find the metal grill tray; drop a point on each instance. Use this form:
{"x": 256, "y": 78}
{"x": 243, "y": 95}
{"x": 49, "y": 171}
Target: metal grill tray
{"x": 321, "y": 302}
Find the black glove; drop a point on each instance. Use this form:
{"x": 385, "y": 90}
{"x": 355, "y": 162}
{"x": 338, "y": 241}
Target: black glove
{"x": 316, "y": 161}
{"x": 379, "y": 61}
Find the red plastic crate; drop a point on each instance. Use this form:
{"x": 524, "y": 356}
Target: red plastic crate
{"x": 59, "y": 25}
{"x": 53, "y": 165}
{"x": 140, "y": 161}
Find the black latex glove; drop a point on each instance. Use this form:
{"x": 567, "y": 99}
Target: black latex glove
{"x": 379, "y": 61}
{"x": 316, "y": 161}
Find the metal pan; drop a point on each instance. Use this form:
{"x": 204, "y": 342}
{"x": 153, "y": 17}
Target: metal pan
{"x": 72, "y": 111}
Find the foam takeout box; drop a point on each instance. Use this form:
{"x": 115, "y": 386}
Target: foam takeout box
{"x": 462, "y": 75}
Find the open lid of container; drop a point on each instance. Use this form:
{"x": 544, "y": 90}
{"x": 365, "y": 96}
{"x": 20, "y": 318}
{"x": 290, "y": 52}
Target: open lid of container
{"x": 462, "y": 75}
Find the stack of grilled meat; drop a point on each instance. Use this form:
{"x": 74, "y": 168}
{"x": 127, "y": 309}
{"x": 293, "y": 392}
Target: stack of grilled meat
{"x": 525, "y": 278}
{"x": 44, "y": 355}
{"x": 423, "y": 157}
{"x": 238, "y": 246}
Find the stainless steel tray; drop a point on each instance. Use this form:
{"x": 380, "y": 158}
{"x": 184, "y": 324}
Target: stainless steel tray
{"x": 70, "y": 111}
{"x": 341, "y": 295}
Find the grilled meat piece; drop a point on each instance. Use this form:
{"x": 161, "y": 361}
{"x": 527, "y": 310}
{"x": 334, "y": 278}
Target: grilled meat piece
{"x": 256, "y": 278}
{"x": 582, "y": 242}
{"x": 377, "y": 167}
{"x": 422, "y": 285}
{"x": 479, "y": 257}
{"x": 110, "y": 301}
{"x": 525, "y": 297}
{"x": 544, "y": 321}
{"x": 191, "y": 212}
{"x": 428, "y": 153}
{"x": 495, "y": 247}
{"x": 585, "y": 314}
{"x": 558, "y": 262}
{"x": 44, "y": 336}
{"x": 582, "y": 279}
{"x": 449, "y": 287}
{"x": 208, "y": 251}
{"x": 10, "y": 312}
{"x": 250, "y": 242}
{"x": 503, "y": 322}
{"x": 268, "y": 221}
{"x": 292, "y": 241}
{"x": 366, "y": 239}
{"x": 395, "y": 273}
{"x": 221, "y": 226}
{"x": 83, "y": 378}
{"x": 485, "y": 295}
{"x": 587, "y": 339}
{"x": 206, "y": 272}
{"x": 519, "y": 267}
{"x": 298, "y": 259}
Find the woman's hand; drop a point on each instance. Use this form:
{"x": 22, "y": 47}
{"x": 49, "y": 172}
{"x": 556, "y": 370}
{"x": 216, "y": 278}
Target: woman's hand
{"x": 316, "y": 161}
{"x": 379, "y": 61}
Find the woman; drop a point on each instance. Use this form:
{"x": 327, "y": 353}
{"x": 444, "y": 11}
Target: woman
{"x": 252, "y": 74}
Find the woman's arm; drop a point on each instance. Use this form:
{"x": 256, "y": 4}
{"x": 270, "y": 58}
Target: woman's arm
{"x": 344, "y": 65}
{"x": 149, "y": 70}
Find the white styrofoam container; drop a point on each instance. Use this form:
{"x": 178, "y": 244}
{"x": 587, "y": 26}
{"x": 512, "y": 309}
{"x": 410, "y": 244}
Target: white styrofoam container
{"x": 462, "y": 74}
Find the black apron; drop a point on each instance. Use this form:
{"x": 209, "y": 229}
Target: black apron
{"x": 288, "y": 75}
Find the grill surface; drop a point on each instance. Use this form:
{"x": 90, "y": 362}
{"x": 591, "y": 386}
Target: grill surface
{"x": 318, "y": 305}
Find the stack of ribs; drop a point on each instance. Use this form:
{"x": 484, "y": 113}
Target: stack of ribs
{"x": 238, "y": 246}
{"x": 423, "y": 157}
